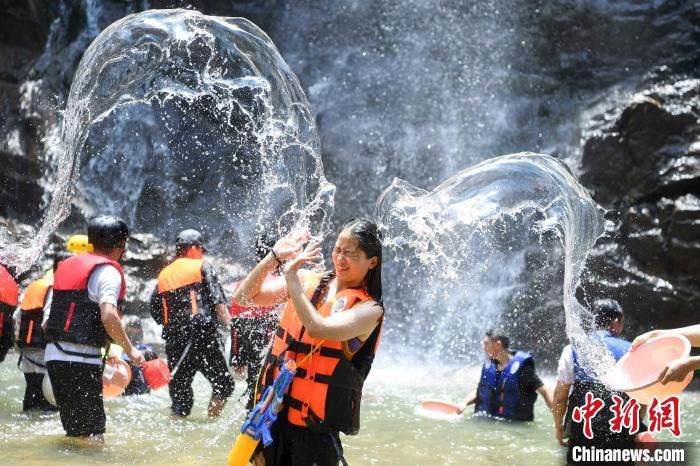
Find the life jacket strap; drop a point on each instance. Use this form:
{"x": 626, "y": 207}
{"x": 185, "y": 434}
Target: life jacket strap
{"x": 338, "y": 449}
{"x": 306, "y": 348}
{"x": 24, "y": 356}
{"x": 309, "y": 416}
{"x": 77, "y": 353}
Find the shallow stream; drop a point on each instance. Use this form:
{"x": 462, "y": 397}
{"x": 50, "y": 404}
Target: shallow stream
{"x": 140, "y": 430}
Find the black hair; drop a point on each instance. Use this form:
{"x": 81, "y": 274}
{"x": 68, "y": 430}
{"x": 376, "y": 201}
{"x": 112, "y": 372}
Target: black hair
{"x": 370, "y": 242}
{"x": 605, "y": 311}
{"x": 498, "y": 335}
{"x": 148, "y": 352}
{"x": 59, "y": 257}
{"x": 263, "y": 245}
{"x": 107, "y": 231}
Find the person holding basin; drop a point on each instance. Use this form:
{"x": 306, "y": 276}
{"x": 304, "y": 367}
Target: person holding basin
{"x": 677, "y": 370}
{"x": 574, "y": 383}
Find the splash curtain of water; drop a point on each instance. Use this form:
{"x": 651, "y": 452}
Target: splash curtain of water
{"x": 181, "y": 119}
{"x": 460, "y": 230}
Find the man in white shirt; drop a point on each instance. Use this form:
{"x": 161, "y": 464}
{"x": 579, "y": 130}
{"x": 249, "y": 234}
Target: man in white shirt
{"x": 573, "y": 382}
{"x": 88, "y": 291}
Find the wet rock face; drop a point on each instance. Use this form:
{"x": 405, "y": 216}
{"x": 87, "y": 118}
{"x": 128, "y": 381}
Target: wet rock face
{"x": 647, "y": 149}
{"x": 20, "y": 188}
{"x": 23, "y": 32}
{"x": 643, "y": 161}
{"x": 365, "y": 66}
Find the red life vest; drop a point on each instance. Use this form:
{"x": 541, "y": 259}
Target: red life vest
{"x": 32, "y": 313}
{"x": 327, "y": 389}
{"x": 9, "y": 296}
{"x": 236, "y": 310}
{"x": 74, "y": 317}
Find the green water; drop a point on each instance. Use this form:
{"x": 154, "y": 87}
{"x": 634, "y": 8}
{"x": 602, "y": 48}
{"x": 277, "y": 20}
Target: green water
{"x": 140, "y": 431}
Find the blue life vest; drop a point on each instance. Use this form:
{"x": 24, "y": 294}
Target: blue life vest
{"x": 138, "y": 384}
{"x": 500, "y": 396}
{"x": 600, "y": 424}
{"x": 617, "y": 346}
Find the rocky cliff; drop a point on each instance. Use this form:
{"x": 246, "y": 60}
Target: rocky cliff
{"x": 422, "y": 92}
{"x": 642, "y": 160}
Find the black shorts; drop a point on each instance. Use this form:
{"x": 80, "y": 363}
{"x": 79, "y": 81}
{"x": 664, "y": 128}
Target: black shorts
{"x": 77, "y": 388}
{"x": 301, "y": 446}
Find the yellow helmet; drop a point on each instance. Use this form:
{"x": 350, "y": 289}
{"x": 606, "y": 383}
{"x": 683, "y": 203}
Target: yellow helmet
{"x": 78, "y": 244}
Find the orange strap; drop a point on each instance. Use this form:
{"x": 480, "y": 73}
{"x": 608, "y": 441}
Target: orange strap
{"x": 29, "y": 333}
{"x": 166, "y": 314}
{"x": 193, "y": 300}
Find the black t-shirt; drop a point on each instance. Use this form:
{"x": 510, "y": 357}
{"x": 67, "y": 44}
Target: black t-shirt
{"x": 213, "y": 290}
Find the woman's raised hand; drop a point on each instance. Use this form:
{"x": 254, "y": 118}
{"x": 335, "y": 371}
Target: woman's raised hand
{"x": 311, "y": 253}
{"x": 291, "y": 244}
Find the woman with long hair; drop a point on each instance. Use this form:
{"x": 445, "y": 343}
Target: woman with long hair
{"x": 330, "y": 327}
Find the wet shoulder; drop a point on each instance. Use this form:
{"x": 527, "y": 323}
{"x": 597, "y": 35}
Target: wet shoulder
{"x": 369, "y": 305}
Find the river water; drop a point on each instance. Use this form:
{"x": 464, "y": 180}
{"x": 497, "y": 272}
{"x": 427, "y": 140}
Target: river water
{"x": 394, "y": 431}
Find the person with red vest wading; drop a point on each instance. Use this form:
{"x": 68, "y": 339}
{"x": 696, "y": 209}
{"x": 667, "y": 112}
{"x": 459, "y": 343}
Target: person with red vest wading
{"x": 88, "y": 292}
{"x": 190, "y": 303}
{"x": 330, "y": 327}
{"x": 9, "y": 298}
{"x": 30, "y": 322}
{"x": 252, "y": 326}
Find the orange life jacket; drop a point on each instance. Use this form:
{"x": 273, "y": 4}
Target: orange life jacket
{"x": 32, "y": 313}
{"x": 327, "y": 388}
{"x": 9, "y": 296}
{"x": 180, "y": 287}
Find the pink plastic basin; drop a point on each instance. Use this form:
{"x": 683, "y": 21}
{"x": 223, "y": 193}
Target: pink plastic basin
{"x": 636, "y": 373}
{"x": 115, "y": 378}
{"x": 440, "y": 407}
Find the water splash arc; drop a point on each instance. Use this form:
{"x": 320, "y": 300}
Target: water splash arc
{"x": 460, "y": 228}
{"x": 178, "y": 119}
